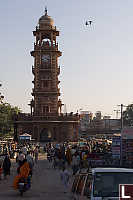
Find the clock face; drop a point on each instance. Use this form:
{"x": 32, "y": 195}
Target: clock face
{"x": 45, "y": 58}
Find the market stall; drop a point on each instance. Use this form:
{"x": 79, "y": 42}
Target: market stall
{"x": 25, "y": 137}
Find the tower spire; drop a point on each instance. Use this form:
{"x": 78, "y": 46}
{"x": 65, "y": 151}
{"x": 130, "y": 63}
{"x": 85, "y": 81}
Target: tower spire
{"x": 46, "y": 11}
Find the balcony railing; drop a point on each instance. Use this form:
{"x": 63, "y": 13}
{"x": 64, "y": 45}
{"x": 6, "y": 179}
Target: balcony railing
{"x": 45, "y": 46}
{"x": 45, "y": 90}
{"x": 45, "y": 66}
{"x": 48, "y": 116}
{"x": 38, "y": 28}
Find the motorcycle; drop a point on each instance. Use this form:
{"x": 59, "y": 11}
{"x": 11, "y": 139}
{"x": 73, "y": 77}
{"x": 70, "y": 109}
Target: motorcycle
{"x": 24, "y": 185}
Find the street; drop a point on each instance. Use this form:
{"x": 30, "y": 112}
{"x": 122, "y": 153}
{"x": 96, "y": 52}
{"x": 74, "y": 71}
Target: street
{"x": 46, "y": 184}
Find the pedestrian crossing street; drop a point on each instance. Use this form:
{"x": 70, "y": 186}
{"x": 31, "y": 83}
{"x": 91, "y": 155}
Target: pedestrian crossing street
{"x": 46, "y": 184}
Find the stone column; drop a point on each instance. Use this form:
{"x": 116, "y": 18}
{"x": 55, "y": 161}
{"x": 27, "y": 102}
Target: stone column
{"x": 38, "y": 134}
{"x": 70, "y": 131}
{"x": 77, "y": 131}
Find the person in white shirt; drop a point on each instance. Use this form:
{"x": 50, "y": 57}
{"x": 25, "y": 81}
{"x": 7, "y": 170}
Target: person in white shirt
{"x": 21, "y": 156}
{"x": 65, "y": 176}
{"x": 75, "y": 163}
{"x": 20, "y": 160}
{"x": 31, "y": 162}
{"x": 24, "y": 150}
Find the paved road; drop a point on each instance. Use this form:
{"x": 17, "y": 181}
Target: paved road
{"x": 46, "y": 184}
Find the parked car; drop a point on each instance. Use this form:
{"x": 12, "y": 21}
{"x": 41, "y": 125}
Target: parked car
{"x": 100, "y": 183}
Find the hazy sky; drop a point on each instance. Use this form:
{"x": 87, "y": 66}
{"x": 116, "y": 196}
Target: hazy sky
{"x": 96, "y": 63}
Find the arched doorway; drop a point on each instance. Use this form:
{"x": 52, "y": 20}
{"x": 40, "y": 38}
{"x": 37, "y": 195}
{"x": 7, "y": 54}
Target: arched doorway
{"x": 45, "y": 135}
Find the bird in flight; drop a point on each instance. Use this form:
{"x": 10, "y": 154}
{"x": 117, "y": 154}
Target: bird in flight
{"x": 88, "y": 22}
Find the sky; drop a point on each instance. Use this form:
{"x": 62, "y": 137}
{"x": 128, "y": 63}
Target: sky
{"x": 96, "y": 62}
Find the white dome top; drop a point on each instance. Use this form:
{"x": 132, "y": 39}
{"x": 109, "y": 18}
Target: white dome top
{"x": 46, "y": 20}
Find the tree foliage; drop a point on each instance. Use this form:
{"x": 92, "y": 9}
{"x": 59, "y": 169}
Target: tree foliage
{"x": 6, "y": 113}
{"x": 128, "y": 115}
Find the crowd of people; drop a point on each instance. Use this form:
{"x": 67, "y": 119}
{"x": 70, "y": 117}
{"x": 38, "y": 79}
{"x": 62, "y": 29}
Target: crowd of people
{"x": 90, "y": 154}
{"x": 26, "y": 156}
{"x": 66, "y": 157}
{"x": 70, "y": 158}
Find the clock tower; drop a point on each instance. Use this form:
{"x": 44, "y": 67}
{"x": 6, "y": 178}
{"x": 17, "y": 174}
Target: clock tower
{"x": 46, "y": 122}
{"x": 46, "y": 70}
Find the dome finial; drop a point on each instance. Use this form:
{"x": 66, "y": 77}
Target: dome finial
{"x": 46, "y": 11}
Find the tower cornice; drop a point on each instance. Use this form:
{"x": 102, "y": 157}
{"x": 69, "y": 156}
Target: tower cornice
{"x": 48, "y": 29}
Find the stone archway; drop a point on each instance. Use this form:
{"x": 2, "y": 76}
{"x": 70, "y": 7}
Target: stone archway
{"x": 45, "y": 135}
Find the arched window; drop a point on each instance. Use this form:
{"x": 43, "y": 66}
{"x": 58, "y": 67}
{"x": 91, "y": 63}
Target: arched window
{"x": 45, "y": 135}
{"x": 46, "y": 42}
{"x": 46, "y": 109}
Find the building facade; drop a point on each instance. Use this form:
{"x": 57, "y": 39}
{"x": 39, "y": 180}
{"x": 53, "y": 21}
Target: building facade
{"x": 46, "y": 121}
{"x": 90, "y": 125}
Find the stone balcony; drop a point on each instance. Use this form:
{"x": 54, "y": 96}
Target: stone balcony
{"x": 47, "y": 28}
{"x": 46, "y": 90}
{"x": 45, "y": 67}
{"x": 48, "y": 117}
{"x": 46, "y": 46}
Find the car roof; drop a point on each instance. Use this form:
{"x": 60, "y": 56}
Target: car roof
{"x": 94, "y": 170}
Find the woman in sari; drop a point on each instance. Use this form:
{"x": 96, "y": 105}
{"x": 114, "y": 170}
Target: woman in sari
{"x": 23, "y": 173}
